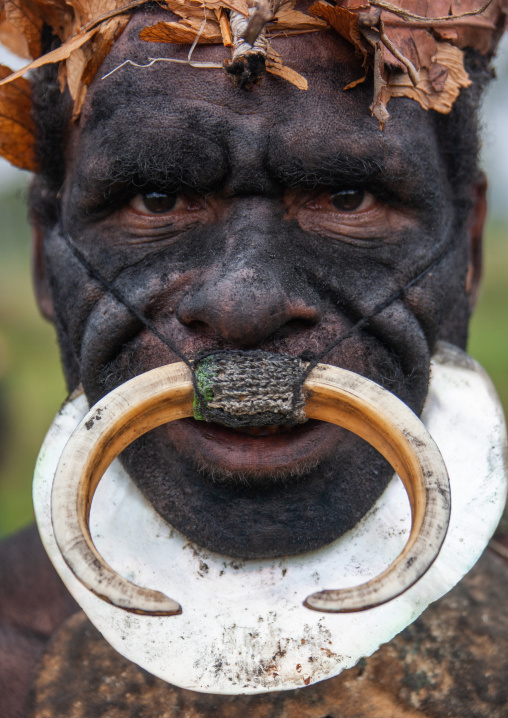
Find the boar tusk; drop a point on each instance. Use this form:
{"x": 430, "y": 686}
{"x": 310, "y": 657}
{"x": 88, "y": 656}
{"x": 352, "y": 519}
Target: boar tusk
{"x": 384, "y": 421}
{"x": 334, "y": 395}
{"x": 149, "y": 400}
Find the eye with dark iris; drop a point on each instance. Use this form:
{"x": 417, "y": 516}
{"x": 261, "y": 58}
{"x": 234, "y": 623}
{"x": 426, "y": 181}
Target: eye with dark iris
{"x": 347, "y": 200}
{"x": 155, "y": 202}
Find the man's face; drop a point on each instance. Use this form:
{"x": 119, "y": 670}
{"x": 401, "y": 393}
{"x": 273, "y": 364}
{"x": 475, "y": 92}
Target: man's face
{"x": 273, "y": 219}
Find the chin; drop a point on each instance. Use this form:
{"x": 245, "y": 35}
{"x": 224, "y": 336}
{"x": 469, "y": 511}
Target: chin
{"x": 257, "y": 504}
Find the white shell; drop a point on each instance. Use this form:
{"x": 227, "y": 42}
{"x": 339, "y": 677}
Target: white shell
{"x": 243, "y": 628}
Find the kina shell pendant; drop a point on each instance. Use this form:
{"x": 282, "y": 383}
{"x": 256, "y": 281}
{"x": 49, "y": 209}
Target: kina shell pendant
{"x": 244, "y": 628}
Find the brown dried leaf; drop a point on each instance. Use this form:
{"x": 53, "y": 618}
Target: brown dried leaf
{"x": 182, "y": 32}
{"x": 459, "y": 7}
{"x": 434, "y": 9}
{"x": 194, "y": 8}
{"x": 241, "y": 6}
{"x": 417, "y": 45}
{"x": 294, "y": 22}
{"x": 275, "y": 67}
{"x": 13, "y": 39}
{"x": 61, "y": 53}
{"x": 75, "y": 64}
{"x": 342, "y": 20}
{"x": 355, "y": 5}
{"x": 468, "y": 34}
{"x": 82, "y": 65}
{"x": 438, "y": 8}
{"x": 24, "y": 17}
{"x": 58, "y": 14}
{"x": 353, "y": 84}
{"x": 437, "y": 75}
{"x": 187, "y": 9}
{"x": 447, "y": 33}
{"x": 87, "y": 10}
{"x": 290, "y": 75}
{"x": 418, "y": 7}
{"x": 481, "y": 31}
{"x": 17, "y": 130}
{"x": 101, "y": 44}
{"x": 425, "y": 93}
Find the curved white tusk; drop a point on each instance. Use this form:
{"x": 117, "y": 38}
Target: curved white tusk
{"x": 166, "y": 393}
{"x": 365, "y": 408}
{"x": 149, "y": 400}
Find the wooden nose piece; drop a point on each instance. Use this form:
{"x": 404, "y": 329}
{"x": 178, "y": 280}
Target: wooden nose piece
{"x": 333, "y": 395}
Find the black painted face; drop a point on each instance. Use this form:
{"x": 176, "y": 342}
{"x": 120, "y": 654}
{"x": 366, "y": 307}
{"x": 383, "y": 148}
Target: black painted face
{"x": 271, "y": 219}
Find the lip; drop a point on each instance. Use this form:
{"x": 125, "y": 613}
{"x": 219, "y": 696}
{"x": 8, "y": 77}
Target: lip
{"x": 229, "y": 452}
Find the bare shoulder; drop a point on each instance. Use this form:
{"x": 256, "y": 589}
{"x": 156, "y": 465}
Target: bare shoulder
{"x": 33, "y": 603}
{"x": 452, "y": 660}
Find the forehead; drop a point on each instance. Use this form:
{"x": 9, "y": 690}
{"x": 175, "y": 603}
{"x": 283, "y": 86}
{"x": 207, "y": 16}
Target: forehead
{"x": 199, "y": 117}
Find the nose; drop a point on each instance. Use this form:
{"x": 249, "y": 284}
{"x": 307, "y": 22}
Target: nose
{"x": 254, "y": 287}
{"x": 245, "y": 306}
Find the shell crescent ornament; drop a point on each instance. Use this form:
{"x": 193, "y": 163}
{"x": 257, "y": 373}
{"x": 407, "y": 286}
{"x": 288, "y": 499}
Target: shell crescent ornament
{"x": 334, "y": 395}
{"x": 208, "y": 623}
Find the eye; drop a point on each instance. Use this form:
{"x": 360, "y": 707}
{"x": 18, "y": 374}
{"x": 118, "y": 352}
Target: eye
{"x": 154, "y": 202}
{"x": 348, "y": 200}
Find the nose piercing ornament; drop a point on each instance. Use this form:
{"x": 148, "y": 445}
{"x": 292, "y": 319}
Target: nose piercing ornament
{"x": 331, "y": 394}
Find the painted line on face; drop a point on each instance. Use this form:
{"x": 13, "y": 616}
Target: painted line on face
{"x": 148, "y": 324}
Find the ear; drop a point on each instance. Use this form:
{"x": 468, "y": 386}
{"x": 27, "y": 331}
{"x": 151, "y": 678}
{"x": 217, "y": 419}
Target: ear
{"x": 476, "y": 225}
{"x": 39, "y": 276}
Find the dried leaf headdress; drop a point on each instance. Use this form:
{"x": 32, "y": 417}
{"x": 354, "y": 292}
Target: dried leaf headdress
{"x": 415, "y": 47}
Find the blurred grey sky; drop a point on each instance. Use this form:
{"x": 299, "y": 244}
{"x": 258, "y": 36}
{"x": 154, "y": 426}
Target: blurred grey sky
{"x": 495, "y": 136}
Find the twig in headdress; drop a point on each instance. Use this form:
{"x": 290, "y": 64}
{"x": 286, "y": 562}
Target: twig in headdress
{"x": 188, "y": 61}
{"x": 264, "y": 12}
{"x": 248, "y": 63}
{"x": 153, "y": 60}
{"x": 407, "y": 15}
{"x": 411, "y": 69}
{"x": 372, "y": 27}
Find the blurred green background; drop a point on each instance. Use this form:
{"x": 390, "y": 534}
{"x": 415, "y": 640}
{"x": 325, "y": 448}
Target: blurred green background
{"x": 31, "y": 379}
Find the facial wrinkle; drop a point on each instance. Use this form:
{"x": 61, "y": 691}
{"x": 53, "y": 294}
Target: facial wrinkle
{"x": 248, "y": 261}
{"x": 171, "y": 164}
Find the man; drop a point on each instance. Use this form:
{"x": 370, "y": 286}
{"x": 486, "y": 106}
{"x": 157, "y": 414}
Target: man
{"x": 273, "y": 219}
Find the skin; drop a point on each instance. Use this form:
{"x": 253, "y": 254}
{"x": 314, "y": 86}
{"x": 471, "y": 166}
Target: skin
{"x": 254, "y": 254}
{"x": 255, "y": 250}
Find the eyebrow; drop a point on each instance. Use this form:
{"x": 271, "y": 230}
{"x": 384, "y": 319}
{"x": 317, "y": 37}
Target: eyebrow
{"x": 336, "y": 169}
{"x": 124, "y": 149}
{"x": 179, "y": 158}
{"x": 164, "y": 164}
{"x": 390, "y": 179}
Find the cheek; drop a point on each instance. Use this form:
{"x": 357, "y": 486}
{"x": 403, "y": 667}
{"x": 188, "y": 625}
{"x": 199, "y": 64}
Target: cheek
{"x": 74, "y": 293}
{"x": 92, "y": 324}
{"x": 349, "y": 283}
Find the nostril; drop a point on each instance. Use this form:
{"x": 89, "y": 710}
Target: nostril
{"x": 243, "y": 313}
{"x": 199, "y": 327}
{"x": 295, "y": 326}
{"x": 302, "y": 322}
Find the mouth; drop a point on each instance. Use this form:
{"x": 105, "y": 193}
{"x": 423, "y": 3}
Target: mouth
{"x": 262, "y": 488}
{"x": 257, "y": 453}
{"x": 264, "y": 430}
